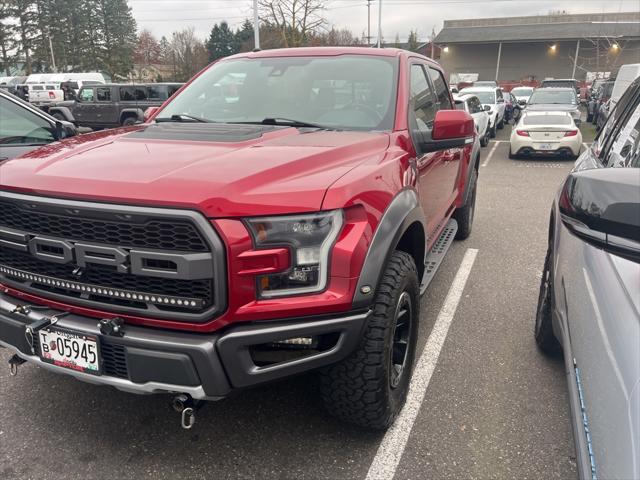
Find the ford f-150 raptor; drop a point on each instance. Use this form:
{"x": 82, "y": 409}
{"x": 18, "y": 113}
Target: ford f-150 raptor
{"x": 281, "y": 214}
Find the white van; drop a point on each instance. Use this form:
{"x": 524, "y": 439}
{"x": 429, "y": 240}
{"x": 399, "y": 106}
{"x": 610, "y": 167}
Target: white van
{"x": 627, "y": 74}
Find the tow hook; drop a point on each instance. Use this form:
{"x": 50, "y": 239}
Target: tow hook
{"x": 14, "y": 363}
{"x": 187, "y": 407}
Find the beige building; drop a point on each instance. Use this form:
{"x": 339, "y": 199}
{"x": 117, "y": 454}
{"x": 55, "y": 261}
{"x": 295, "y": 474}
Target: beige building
{"x": 539, "y": 47}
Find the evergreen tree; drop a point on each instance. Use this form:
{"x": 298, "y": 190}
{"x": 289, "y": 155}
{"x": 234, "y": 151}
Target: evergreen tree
{"x": 413, "y": 43}
{"x": 222, "y": 42}
{"x": 7, "y": 32}
{"x": 244, "y": 37}
{"x": 396, "y": 43}
{"x": 118, "y": 37}
{"x": 25, "y": 15}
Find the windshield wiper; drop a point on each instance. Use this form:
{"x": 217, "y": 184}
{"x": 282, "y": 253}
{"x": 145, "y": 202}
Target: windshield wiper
{"x": 181, "y": 117}
{"x": 289, "y": 122}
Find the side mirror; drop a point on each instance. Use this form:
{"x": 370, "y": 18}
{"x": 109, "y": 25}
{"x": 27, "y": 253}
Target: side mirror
{"x": 451, "y": 129}
{"x": 487, "y": 108}
{"x": 64, "y": 129}
{"x": 602, "y": 206}
{"x": 150, "y": 112}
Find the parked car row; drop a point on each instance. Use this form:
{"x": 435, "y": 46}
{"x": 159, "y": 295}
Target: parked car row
{"x": 113, "y": 105}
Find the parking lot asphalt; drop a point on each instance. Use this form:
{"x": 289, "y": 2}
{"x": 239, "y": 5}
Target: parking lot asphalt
{"x": 494, "y": 406}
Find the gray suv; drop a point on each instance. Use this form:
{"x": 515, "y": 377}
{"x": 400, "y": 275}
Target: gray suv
{"x": 113, "y": 105}
{"x": 589, "y": 302}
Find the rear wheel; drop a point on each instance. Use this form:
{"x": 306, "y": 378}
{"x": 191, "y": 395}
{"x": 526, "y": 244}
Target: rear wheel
{"x": 128, "y": 121}
{"x": 464, "y": 215}
{"x": 545, "y": 338}
{"x": 369, "y": 388}
{"x": 484, "y": 140}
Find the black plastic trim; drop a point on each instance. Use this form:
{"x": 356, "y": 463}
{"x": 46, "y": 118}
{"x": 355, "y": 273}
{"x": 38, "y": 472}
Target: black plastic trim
{"x": 402, "y": 212}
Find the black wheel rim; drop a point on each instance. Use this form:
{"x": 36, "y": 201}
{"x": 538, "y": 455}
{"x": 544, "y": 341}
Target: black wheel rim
{"x": 401, "y": 338}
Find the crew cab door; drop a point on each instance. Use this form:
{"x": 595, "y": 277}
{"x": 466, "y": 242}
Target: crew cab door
{"x": 106, "y": 109}
{"x": 84, "y": 109}
{"x": 437, "y": 171}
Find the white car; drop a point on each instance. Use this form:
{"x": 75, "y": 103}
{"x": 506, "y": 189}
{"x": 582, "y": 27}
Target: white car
{"x": 522, "y": 94}
{"x": 490, "y": 97}
{"x": 545, "y": 134}
{"x": 471, "y": 104}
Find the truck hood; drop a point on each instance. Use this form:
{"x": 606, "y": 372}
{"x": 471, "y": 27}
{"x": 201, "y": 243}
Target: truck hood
{"x": 223, "y": 170}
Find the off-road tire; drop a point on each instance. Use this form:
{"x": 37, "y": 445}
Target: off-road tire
{"x": 543, "y": 331}
{"x": 464, "y": 215}
{"x": 127, "y": 122}
{"x": 358, "y": 389}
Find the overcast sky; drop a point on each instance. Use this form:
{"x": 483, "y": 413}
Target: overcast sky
{"x": 163, "y": 17}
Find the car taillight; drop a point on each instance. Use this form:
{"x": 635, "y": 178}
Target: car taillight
{"x": 522, "y": 133}
{"x": 52, "y": 95}
{"x": 571, "y": 133}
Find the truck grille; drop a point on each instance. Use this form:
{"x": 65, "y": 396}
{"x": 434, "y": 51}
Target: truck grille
{"x": 158, "y": 287}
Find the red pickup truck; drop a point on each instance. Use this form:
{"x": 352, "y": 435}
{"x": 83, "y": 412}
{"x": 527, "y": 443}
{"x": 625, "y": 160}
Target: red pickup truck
{"x": 282, "y": 213}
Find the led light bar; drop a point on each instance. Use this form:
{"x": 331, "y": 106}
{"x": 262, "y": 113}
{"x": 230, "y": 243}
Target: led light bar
{"x": 149, "y": 298}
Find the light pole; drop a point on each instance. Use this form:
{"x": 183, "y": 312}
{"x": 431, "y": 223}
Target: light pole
{"x": 380, "y": 24}
{"x": 256, "y": 26}
{"x": 368, "y": 22}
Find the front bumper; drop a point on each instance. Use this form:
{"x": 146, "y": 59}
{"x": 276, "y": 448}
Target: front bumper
{"x": 205, "y": 366}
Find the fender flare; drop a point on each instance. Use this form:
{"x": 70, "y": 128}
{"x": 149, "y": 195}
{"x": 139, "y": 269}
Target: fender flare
{"x": 125, "y": 112}
{"x": 474, "y": 164}
{"x": 64, "y": 111}
{"x": 403, "y": 211}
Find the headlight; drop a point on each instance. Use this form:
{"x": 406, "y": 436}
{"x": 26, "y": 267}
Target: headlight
{"x": 309, "y": 238}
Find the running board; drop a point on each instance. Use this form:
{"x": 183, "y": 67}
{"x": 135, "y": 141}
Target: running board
{"x": 437, "y": 253}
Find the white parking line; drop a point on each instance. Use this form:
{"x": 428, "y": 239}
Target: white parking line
{"x": 390, "y": 451}
{"x": 488, "y": 159}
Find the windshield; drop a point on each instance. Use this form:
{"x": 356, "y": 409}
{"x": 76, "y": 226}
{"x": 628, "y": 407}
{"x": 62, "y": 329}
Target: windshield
{"x": 522, "y": 91}
{"x": 563, "y": 97}
{"x": 353, "y": 92}
{"x": 485, "y": 97}
{"x": 20, "y": 126}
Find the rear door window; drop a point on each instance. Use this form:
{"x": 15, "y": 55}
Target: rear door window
{"x": 103, "y": 94}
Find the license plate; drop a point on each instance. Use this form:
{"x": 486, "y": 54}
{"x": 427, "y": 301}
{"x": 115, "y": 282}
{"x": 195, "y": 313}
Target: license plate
{"x": 546, "y": 146}
{"x": 69, "y": 349}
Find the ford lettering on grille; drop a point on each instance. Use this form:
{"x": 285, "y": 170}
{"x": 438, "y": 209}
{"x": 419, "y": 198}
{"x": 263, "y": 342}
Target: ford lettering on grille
{"x": 164, "y": 263}
{"x": 184, "y": 266}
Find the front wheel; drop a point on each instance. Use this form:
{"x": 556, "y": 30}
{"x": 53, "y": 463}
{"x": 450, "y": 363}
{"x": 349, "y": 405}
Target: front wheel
{"x": 493, "y": 132}
{"x": 369, "y": 388}
{"x": 501, "y": 124}
{"x": 545, "y": 338}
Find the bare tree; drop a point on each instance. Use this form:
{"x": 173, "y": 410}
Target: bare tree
{"x": 189, "y": 54}
{"x": 296, "y": 20}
